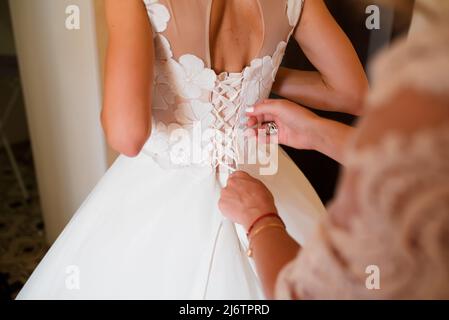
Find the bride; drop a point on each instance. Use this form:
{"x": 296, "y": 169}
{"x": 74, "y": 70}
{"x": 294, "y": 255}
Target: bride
{"x": 151, "y": 228}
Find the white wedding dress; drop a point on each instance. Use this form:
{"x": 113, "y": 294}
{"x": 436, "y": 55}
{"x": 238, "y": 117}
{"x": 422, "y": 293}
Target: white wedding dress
{"x": 151, "y": 228}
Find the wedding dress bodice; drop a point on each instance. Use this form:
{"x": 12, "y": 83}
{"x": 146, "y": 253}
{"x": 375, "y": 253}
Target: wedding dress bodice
{"x": 193, "y": 106}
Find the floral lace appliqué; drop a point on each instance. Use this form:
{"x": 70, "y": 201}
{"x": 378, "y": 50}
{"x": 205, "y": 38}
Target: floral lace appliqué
{"x": 189, "y": 76}
{"x": 260, "y": 75}
{"x": 159, "y": 15}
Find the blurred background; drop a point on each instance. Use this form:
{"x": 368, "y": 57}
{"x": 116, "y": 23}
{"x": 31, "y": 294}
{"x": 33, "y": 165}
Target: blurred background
{"x": 52, "y": 149}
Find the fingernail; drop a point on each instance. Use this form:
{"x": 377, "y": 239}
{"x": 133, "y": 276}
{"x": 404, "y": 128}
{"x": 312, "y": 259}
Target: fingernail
{"x": 250, "y": 110}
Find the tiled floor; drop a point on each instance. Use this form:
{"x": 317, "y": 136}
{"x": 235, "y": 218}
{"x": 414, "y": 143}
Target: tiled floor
{"x": 22, "y": 241}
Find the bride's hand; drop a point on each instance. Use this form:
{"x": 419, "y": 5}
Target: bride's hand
{"x": 244, "y": 199}
{"x": 296, "y": 124}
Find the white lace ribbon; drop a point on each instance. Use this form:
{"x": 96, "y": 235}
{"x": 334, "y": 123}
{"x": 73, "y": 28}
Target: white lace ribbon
{"x": 227, "y": 102}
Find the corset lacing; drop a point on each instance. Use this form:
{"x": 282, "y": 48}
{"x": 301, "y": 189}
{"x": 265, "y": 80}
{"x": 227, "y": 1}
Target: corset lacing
{"x": 227, "y": 102}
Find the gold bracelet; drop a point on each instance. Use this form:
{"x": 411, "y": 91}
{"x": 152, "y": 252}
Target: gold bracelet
{"x": 249, "y": 252}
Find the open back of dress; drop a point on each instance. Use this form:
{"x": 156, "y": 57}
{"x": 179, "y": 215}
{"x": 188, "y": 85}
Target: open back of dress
{"x": 188, "y": 92}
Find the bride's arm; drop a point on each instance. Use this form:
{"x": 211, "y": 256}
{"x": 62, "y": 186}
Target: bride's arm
{"x": 126, "y": 114}
{"x": 340, "y": 82}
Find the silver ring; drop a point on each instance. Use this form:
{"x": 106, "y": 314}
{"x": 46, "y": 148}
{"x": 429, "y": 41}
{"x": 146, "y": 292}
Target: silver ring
{"x": 272, "y": 129}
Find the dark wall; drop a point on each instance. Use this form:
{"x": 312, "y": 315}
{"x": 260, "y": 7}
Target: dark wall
{"x": 350, "y": 14}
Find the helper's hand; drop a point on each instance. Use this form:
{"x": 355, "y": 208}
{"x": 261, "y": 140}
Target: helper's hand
{"x": 296, "y": 124}
{"x": 244, "y": 199}
{"x": 300, "y": 128}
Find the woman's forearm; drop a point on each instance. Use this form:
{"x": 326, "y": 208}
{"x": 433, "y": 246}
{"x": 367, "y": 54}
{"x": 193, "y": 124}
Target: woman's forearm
{"x": 330, "y": 138}
{"x": 272, "y": 250}
{"x": 308, "y": 88}
{"x": 126, "y": 113}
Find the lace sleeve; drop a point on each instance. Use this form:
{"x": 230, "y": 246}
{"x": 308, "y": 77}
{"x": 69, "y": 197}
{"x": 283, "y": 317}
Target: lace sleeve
{"x": 391, "y": 212}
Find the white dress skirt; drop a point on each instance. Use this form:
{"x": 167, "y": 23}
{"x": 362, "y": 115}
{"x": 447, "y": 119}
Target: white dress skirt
{"x": 148, "y": 233}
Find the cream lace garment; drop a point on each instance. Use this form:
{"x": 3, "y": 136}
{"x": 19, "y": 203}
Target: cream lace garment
{"x": 391, "y": 214}
{"x": 198, "y": 114}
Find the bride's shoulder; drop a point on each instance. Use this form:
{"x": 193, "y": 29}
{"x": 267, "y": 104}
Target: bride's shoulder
{"x": 126, "y": 16}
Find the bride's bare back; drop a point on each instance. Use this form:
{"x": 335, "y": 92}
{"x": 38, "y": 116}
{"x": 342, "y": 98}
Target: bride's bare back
{"x": 236, "y": 34}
